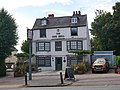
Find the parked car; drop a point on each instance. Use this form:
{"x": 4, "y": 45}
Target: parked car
{"x": 100, "y": 64}
{"x": 10, "y": 67}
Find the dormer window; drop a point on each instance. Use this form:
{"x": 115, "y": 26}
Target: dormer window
{"x": 74, "y": 20}
{"x": 44, "y": 22}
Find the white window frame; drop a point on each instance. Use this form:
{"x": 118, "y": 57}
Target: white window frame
{"x": 44, "y": 22}
{"x": 74, "y": 20}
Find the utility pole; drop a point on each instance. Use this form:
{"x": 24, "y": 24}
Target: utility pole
{"x": 29, "y": 38}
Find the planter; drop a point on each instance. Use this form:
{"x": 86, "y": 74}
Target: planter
{"x": 79, "y": 72}
{"x": 18, "y": 74}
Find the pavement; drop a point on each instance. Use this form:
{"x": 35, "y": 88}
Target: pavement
{"x": 52, "y": 79}
{"x": 48, "y": 79}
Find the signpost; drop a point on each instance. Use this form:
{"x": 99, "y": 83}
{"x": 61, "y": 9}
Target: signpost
{"x": 29, "y": 38}
{"x": 69, "y": 74}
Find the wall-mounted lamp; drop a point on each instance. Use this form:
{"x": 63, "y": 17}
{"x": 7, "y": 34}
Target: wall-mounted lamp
{"x": 64, "y": 60}
{"x": 52, "y": 59}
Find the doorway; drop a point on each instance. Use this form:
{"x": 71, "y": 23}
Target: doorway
{"x": 58, "y": 63}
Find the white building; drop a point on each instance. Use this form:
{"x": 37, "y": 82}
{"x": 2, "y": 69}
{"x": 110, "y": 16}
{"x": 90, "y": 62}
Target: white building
{"x": 12, "y": 59}
{"x": 54, "y": 36}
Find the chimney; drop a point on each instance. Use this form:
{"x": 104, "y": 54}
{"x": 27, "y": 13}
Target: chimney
{"x": 50, "y": 15}
{"x": 73, "y": 13}
{"x": 79, "y": 12}
{"x": 76, "y": 13}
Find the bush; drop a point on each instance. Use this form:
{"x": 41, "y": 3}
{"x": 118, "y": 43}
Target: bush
{"x": 117, "y": 61}
{"x": 73, "y": 66}
{"x": 87, "y": 65}
{"x": 80, "y": 68}
{"x": 20, "y": 70}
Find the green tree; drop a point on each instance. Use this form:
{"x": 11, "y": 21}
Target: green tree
{"x": 106, "y": 30}
{"x": 8, "y": 38}
{"x": 25, "y": 46}
{"x": 99, "y": 30}
{"x": 116, "y": 27}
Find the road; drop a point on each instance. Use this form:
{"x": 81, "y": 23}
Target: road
{"x": 112, "y": 87}
{"x": 88, "y": 81}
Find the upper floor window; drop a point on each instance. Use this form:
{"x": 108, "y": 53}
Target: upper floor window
{"x": 74, "y": 45}
{"x": 43, "y": 46}
{"x": 44, "y": 22}
{"x": 74, "y": 31}
{"x": 74, "y": 20}
{"x": 43, "y": 33}
{"x": 58, "y": 46}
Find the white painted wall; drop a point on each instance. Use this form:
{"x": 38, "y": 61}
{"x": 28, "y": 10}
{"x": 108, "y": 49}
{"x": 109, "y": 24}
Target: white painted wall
{"x": 82, "y": 35}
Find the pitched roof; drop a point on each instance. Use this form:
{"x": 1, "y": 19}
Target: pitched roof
{"x": 59, "y": 22}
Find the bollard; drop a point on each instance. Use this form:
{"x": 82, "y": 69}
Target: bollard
{"x": 25, "y": 79}
{"x": 61, "y": 77}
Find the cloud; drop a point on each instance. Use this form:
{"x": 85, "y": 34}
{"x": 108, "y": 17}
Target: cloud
{"x": 57, "y": 12}
{"x": 23, "y": 19}
{"x": 13, "y": 4}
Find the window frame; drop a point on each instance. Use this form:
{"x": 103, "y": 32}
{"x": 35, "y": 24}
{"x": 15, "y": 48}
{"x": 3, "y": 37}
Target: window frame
{"x": 74, "y": 31}
{"x": 77, "y": 45}
{"x": 42, "y": 33}
{"x": 74, "y": 20}
{"x": 43, "y": 22}
{"x": 58, "y": 45}
{"x": 43, "y": 45}
{"x": 42, "y": 60}
{"x": 74, "y": 59}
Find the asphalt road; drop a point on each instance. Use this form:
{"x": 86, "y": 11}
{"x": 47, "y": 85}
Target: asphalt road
{"x": 113, "y": 87}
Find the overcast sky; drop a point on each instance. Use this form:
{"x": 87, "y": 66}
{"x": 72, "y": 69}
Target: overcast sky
{"x": 26, "y": 11}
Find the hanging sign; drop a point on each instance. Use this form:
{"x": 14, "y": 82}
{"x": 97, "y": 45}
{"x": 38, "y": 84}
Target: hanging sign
{"x": 29, "y": 34}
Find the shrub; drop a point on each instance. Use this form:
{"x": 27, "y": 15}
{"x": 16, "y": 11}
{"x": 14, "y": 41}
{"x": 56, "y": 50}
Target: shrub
{"x": 87, "y": 65}
{"x": 20, "y": 70}
{"x": 81, "y": 67}
{"x": 73, "y": 66}
{"x": 118, "y": 61}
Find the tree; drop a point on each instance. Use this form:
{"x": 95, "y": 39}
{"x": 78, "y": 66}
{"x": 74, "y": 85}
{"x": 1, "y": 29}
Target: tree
{"x": 25, "y": 46}
{"x": 99, "y": 30}
{"x": 116, "y": 25}
{"x": 25, "y": 49}
{"x": 106, "y": 30}
{"x": 8, "y": 38}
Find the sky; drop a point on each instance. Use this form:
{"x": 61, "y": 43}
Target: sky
{"x": 25, "y": 12}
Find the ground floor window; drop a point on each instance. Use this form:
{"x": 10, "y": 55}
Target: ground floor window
{"x": 43, "y": 61}
{"x": 75, "y": 59}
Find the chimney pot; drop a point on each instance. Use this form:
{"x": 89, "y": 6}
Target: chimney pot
{"x": 76, "y": 12}
{"x": 79, "y": 12}
{"x": 73, "y": 12}
{"x": 50, "y": 15}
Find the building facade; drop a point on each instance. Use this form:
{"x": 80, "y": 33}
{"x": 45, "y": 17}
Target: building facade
{"x": 53, "y": 37}
{"x": 11, "y": 60}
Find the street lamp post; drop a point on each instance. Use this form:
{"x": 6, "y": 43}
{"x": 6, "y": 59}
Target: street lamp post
{"x": 29, "y": 38}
